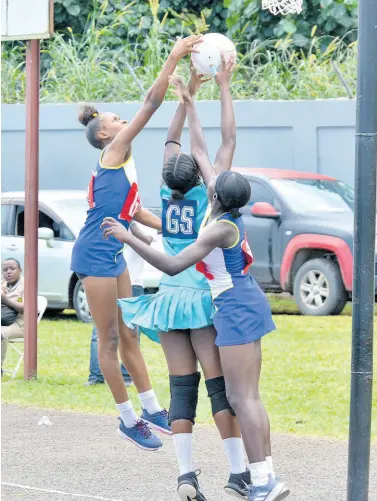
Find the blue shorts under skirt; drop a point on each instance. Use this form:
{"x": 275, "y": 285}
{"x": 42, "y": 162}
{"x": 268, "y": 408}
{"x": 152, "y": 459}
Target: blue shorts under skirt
{"x": 171, "y": 308}
{"x": 243, "y": 314}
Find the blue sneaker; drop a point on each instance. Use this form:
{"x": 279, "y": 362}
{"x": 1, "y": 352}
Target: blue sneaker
{"x": 140, "y": 435}
{"x": 158, "y": 421}
{"x": 285, "y": 490}
{"x": 274, "y": 490}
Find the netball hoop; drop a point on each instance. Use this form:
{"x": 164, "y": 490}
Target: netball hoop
{"x": 282, "y": 7}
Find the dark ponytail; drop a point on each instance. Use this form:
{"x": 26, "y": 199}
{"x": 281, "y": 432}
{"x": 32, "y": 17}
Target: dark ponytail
{"x": 233, "y": 192}
{"x": 177, "y": 195}
{"x": 180, "y": 174}
{"x": 234, "y": 212}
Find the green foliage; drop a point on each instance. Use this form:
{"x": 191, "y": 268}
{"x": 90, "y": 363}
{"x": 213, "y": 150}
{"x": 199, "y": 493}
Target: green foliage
{"x": 74, "y": 14}
{"x": 110, "y": 62}
{"x": 13, "y": 81}
{"x": 242, "y": 17}
{"x": 217, "y": 13}
{"x": 330, "y": 18}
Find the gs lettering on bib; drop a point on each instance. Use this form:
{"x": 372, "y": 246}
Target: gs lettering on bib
{"x": 179, "y": 219}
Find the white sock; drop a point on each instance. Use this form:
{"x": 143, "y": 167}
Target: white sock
{"x": 183, "y": 451}
{"x": 259, "y": 473}
{"x": 270, "y": 465}
{"x": 149, "y": 402}
{"x": 127, "y": 414}
{"x": 234, "y": 453}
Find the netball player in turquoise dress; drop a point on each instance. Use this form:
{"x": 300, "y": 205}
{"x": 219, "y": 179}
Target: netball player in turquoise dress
{"x": 182, "y": 311}
{"x": 99, "y": 263}
{"x": 243, "y": 315}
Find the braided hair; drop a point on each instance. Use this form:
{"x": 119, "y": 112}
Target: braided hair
{"x": 180, "y": 174}
{"x": 90, "y": 118}
{"x": 233, "y": 191}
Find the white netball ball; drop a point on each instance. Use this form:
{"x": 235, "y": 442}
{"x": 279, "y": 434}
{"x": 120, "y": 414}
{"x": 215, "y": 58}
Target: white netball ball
{"x": 208, "y": 60}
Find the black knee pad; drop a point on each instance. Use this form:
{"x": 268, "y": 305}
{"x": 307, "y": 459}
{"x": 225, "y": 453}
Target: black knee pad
{"x": 217, "y": 394}
{"x": 183, "y": 397}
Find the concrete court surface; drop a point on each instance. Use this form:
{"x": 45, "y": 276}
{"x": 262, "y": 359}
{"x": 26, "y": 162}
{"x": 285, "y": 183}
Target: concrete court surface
{"x": 80, "y": 457}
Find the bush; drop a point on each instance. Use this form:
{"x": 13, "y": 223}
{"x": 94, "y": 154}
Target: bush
{"x": 217, "y": 13}
{"x": 85, "y": 70}
{"x": 74, "y": 14}
{"x": 107, "y": 64}
{"x": 333, "y": 18}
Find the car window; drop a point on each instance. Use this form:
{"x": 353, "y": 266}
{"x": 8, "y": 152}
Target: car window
{"x": 20, "y": 221}
{"x": 316, "y": 195}
{"x": 5, "y": 214}
{"x": 61, "y": 231}
{"x": 261, "y": 193}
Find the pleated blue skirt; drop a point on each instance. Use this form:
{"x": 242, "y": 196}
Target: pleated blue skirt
{"x": 171, "y": 308}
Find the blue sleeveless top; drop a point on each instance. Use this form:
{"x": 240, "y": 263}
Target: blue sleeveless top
{"x": 181, "y": 221}
{"x": 113, "y": 192}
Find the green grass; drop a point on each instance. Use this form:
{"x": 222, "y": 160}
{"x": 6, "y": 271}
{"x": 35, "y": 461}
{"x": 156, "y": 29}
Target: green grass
{"x": 305, "y": 380}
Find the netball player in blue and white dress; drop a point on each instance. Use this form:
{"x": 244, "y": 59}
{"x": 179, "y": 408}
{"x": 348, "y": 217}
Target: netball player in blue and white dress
{"x": 100, "y": 264}
{"x": 182, "y": 311}
{"x": 243, "y": 315}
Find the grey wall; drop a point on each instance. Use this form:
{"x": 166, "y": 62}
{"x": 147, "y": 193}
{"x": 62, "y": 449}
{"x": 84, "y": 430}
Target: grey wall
{"x": 314, "y": 136}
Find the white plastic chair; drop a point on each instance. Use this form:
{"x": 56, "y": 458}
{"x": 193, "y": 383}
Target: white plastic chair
{"x": 42, "y": 305}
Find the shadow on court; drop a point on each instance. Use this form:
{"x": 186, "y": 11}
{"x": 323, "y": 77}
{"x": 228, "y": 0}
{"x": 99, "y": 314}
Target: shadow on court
{"x": 80, "y": 457}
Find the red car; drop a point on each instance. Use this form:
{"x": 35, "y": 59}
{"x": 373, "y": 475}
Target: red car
{"x": 300, "y": 229}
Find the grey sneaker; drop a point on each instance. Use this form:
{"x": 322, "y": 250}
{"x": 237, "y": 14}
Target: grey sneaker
{"x": 188, "y": 487}
{"x": 238, "y": 484}
{"x": 93, "y": 382}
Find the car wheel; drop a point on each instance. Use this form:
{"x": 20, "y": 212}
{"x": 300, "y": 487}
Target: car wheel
{"x": 80, "y": 303}
{"x": 318, "y": 288}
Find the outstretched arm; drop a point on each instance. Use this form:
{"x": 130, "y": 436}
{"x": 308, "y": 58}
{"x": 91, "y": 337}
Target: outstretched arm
{"x": 224, "y": 156}
{"x": 176, "y": 126}
{"x": 221, "y": 235}
{"x": 140, "y": 234}
{"x": 197, "y": 141}
{"x": 119, "y": 148}
{"x": 147, "y": 218}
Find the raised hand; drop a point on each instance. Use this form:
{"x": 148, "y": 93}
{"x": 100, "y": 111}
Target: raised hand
{"x": 224, "y": 75}
{"x": 113, "y": 228}
{"x": 196, "y": 80}
{"x": 180, "y": 88}
{"x": 185, "y": 46}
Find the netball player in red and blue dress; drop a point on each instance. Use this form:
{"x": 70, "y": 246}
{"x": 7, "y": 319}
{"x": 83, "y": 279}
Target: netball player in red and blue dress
{"x": 100, "y": 264}
{"x": 243, "y": 315}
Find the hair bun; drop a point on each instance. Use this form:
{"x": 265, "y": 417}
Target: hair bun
{"x": 177, "y": 195}
{"x": 87, "y": 113}
{"x": 234, "y": 212}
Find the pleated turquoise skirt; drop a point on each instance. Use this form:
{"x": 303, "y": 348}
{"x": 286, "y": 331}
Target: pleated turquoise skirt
{"x": 171, "y": 308}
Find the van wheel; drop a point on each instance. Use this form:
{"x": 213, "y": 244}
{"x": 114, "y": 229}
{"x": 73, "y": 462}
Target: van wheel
{"x": 80, "y": 303}
{"x": 318, "y": 288}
